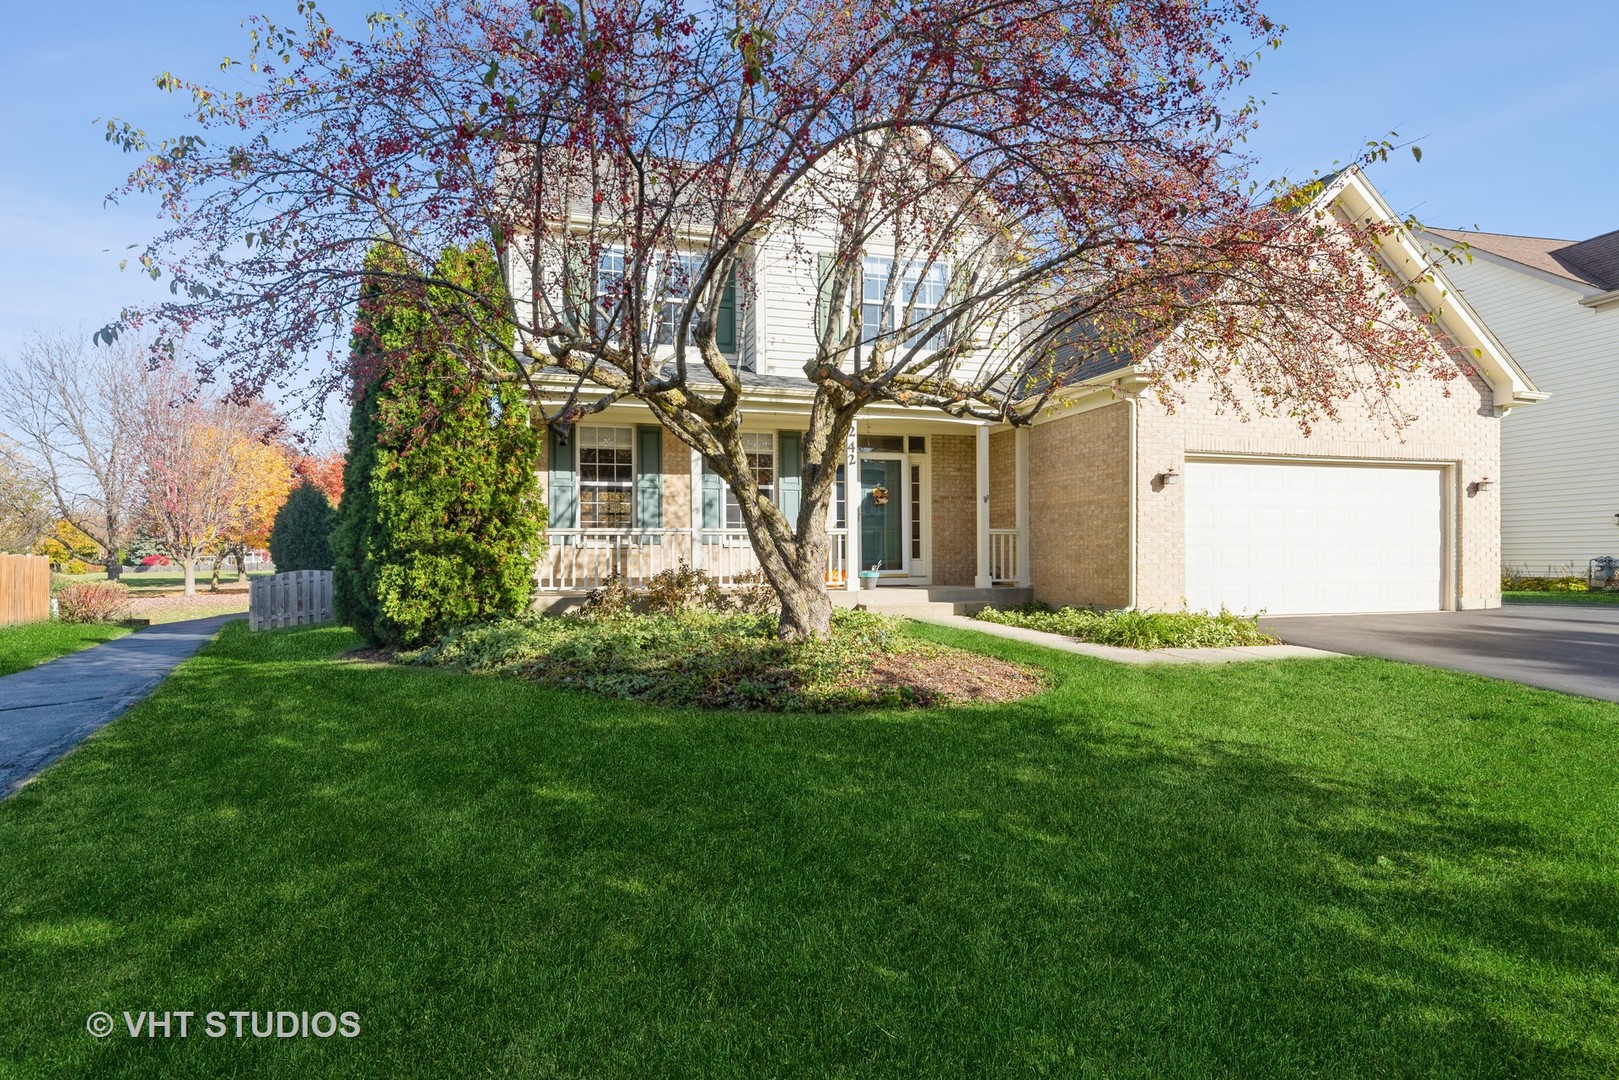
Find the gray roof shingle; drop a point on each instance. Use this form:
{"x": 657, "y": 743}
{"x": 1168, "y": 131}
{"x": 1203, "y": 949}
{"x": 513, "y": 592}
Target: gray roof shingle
{"x": 1590, "y": 262}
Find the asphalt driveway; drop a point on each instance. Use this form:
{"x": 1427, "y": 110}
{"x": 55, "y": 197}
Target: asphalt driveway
{"x": 1565, "y": 647}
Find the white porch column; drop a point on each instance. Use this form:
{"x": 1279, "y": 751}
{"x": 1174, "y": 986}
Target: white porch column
{"x": 1020, "y": 451}
{"x": 981, "y": 505}
{"x": 851, "y": 516}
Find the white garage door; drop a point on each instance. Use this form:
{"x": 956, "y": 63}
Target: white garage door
{"x": 1298, "y": 539}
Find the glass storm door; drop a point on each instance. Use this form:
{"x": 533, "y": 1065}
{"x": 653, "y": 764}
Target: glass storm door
{"x": 882, "y": 514}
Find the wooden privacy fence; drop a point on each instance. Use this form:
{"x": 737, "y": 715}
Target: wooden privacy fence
{"x": 296, "y": 598}
{"x": 25, "y": 588}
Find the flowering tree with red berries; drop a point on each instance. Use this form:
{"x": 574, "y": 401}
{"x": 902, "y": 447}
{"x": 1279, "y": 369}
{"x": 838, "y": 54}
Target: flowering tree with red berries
{"x": 1035, "y": 173}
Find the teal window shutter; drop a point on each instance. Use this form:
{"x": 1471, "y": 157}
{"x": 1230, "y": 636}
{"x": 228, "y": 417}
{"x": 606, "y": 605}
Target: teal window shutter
{"x": 577, "y": 288}
{"x": 789, "y": 474}
{"x": 713, "y": 498}
{"x": 649, "y": 477}
{"x": 562, "y": 482}
{"x": 725, "y": 318}
{"x": 823, "y": 292}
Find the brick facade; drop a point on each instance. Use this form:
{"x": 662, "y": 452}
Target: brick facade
{"x": 1460, "y": 431}
{"x": 676, "y": 483}
{"x": 1079, "y": 508}
{"x": 954, "y": 462}
{"x": 1003, "y": 480}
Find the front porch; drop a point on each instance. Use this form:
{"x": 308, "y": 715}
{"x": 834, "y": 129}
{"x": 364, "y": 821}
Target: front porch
{"x": 578, "y": 560}
{"x": 933, "y": 502}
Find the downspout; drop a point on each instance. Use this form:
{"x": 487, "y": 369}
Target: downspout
{"x": 1130, "y": 400}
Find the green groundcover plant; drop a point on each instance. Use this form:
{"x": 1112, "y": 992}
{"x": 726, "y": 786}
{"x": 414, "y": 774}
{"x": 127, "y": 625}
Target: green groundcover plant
{"x": 1133, "y": 629}
{"x": 704, "y": 658}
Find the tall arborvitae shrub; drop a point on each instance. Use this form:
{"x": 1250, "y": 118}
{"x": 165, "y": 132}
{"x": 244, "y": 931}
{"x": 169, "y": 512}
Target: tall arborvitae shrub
{"x": 384, "y": 319}
{"x": 441, "y": 520}
{"x": 301, "y": 537}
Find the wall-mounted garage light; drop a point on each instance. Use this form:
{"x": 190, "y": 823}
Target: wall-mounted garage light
{"x": 1167, "y": 477}
{"x": 1483, "y": 483}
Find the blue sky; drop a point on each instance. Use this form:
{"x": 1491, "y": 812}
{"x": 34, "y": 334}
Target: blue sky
{"x": 1514, "y": 106}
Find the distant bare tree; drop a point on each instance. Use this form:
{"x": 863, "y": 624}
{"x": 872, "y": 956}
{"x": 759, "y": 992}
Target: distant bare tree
{"x": 73, "y": 410}
{"x": 24, "y": 511}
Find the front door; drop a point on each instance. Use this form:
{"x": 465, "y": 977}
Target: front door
{"x": 882, "y": 514}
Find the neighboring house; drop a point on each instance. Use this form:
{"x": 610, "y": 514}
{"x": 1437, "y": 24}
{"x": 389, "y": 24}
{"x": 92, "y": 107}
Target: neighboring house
{"x": 1107, "y": 500}
{"x": 1555, "y": 305}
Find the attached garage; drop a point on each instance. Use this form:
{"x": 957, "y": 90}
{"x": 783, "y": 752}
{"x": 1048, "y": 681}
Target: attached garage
{"x": 1314, "y": 538}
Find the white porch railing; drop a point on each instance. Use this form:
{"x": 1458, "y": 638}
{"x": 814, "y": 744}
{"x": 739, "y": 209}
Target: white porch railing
{"x": 580, "y": 559}
{"x": 1003, "y": 567}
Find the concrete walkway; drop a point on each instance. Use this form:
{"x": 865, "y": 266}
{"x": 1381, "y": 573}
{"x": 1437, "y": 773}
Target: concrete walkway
{"x": 48, "y": 710}
{"x": 1129, "y": 656}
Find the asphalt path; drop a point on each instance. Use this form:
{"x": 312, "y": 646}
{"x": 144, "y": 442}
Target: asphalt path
{"x": 48, "y": 710}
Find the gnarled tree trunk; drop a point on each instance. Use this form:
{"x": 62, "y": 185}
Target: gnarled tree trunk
{"x": 798, "y": 574}
{"x": 793, "y": 554}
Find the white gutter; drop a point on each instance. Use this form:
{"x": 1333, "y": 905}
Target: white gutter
{"x": 1601, "y": 300}
{"x": 1411, "y": 266}
{"x": 1135, "y": 555}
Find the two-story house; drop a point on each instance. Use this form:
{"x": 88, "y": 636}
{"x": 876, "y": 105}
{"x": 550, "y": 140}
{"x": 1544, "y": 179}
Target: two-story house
{"x": 1109, "y": 498}
{"x": 1555, "y": 305}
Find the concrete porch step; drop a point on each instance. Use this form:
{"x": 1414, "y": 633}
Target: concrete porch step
{"x": 919, "y": 600}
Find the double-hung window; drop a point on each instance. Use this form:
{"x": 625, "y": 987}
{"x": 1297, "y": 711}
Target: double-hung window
{"x": 606, "y": 477}
{"x": 919, "y": 294}
{"x": 675, "y": 283}
{"x": 873, "y": 289}
{"x": 610, "y": 308}
{"x": 924, "y": 290}
{"x": 760, "y": 447}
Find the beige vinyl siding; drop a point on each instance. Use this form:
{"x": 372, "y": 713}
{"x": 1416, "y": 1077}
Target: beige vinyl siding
{"x": 1560, "y": 457}
{"x": 786, "y": 275}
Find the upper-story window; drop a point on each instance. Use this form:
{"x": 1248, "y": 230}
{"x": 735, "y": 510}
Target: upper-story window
{"x": 674, "y": 285}
{"x": 670, "y": 290}
{"x": 609, "y": 292}
{"x": 920, "y": 294}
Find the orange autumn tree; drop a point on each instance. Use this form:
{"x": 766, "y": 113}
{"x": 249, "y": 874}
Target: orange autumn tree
{"x": 266, "y": 476}
{"x": 325, "y": 471}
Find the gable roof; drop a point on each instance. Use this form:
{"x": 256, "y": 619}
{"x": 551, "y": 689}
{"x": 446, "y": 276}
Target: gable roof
{"x": 1593, "y": 262}
{"x": 1596, "y": 259}
{"x": 1081, "y": 359}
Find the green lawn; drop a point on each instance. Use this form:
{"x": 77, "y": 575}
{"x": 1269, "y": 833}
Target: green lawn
{"x": 164, "y": 578}
{"x": 1308, "y": 868}
{"x": 1560, "y": 597}
{"x": 24, "y": 645}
